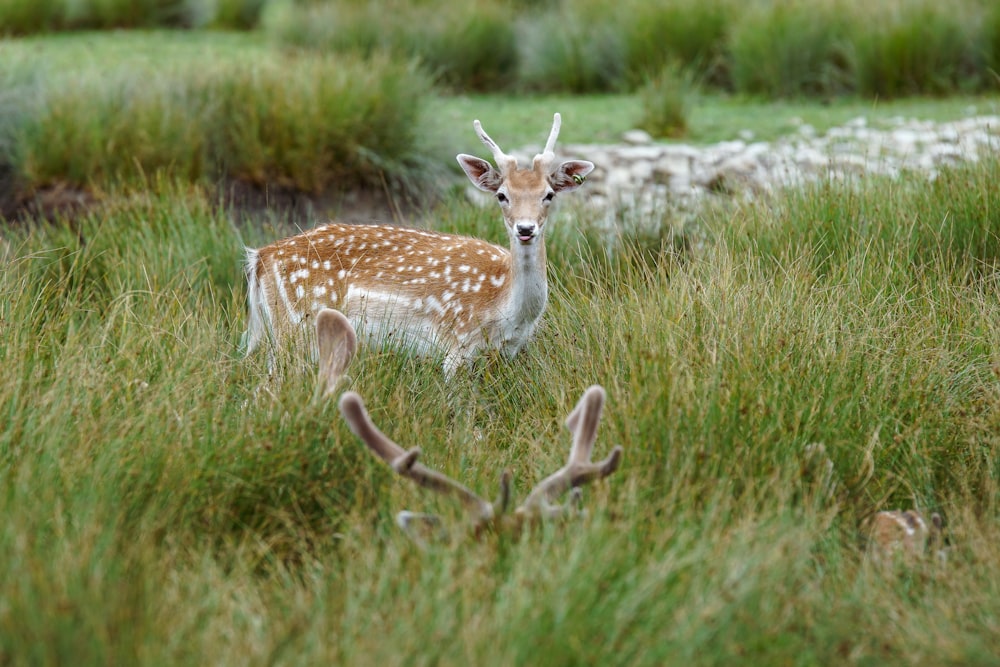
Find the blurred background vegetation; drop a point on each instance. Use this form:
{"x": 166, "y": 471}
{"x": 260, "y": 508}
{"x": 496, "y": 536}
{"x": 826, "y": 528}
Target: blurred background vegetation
{"x": 309, "y": 96}
{"x": 775, "y": 48}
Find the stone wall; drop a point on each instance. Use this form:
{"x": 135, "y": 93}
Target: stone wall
{"x": 645, "y": 175}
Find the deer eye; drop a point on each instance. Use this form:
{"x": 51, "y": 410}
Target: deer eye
{"x": 549, "y": 196}
{"x": 502, "y": 198}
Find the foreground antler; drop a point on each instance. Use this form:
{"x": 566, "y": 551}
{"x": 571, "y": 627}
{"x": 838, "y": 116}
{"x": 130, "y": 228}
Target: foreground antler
{"x": 539, "y": 504}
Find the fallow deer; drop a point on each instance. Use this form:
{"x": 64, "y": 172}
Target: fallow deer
{"x": 432, "y": 292}
{"x": 540, "y": 503}
{"x": 905, "y": 535}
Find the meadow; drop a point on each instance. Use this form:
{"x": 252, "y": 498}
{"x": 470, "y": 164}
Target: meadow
{"x": 160, "y": 509}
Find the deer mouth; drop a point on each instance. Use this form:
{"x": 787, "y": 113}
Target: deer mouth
{"x": 525, "y": 239}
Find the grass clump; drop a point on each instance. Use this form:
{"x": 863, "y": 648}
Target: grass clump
{"x": 790, "y": 49}
{"x": 574, "y": 49}
{"x": 465, "y": 48}
{"x": 689, "y": 32}
{"x": 918, "y": 48}
{"x": 28, "y": 17}
{"x": 302, "y": 122}
{"x": 666, "y": 102}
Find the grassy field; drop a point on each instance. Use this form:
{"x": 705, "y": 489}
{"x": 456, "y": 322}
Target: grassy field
{"x": 157, "y": 513}
{"x": 159, "y": 509}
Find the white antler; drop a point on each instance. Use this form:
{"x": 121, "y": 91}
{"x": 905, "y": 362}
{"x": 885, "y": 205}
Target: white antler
{"x": 548, "y": 156}
{"x": 579, "y": 470}
{"x": 550, "y": 145}
{"x": 337, "y": 344}
{"x": 503, "y": 161}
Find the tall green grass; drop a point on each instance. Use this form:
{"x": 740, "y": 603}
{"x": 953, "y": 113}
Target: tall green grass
{"x": 690, "y": 32}
{"x": 790, "y": 49}
{"x": 465, "y": 47}
{"x": 302, "y": 122}
{"x": 785, "y": 48}
{"x": 912, "y": 48}
{"x": 777, "y": 48}
{"x": 26, "y": 17}
{"x": 159, "y": 508}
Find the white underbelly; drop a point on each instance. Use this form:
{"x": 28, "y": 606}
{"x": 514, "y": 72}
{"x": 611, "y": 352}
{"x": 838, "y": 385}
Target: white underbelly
{"x": 398, "y": 321}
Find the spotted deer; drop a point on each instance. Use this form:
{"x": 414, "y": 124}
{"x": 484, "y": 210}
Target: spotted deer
{"x": 432, "y": 292}
{"x": 905, "y": 535}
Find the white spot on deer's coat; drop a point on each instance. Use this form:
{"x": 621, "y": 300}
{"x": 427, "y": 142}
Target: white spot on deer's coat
{"x": 497, "y": 281}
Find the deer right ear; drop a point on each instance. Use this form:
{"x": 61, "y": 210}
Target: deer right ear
{"x": 337, "y": 344}
{"x": 481, "y": 173}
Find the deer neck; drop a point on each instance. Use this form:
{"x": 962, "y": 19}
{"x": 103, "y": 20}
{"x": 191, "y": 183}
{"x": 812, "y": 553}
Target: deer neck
{"x": 529, "y": 284}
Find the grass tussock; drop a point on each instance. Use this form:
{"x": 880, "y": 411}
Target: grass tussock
{"x": 784, "y": 48}
{"x": 465, "y": 47}
{"x": 303, "y": 122}
{"x": 160, "y": 507}
{"x": 28, "y": 17}
{"x": 667, "y": 99}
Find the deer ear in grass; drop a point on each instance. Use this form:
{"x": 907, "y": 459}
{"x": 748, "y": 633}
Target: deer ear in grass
{"x": 337, "y": 345}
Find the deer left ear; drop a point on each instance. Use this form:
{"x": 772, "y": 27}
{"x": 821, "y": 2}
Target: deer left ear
{"x": 481, "y": 173}
{"x": 570, "y": 175}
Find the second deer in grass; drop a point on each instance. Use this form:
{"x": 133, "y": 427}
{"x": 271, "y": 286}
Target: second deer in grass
{"x": 337, "y": 343}
{"x": 541, "y": 503}
{"x": 428, "y": 291}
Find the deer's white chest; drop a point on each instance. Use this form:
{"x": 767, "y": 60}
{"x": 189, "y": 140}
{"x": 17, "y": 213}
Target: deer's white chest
{"x": 524, "y": 310}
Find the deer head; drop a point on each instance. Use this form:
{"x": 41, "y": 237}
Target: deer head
{"x": 524, "y": 195}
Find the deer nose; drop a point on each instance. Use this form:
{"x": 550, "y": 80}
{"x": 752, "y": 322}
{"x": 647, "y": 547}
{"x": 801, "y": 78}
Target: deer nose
{"x": 526, "y": 231}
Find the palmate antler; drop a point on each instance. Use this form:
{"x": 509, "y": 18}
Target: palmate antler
{"x": 539, "y": 504}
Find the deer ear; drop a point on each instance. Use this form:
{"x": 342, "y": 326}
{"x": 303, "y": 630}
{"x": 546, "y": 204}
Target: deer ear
{"x": 337, "y": 344}
{"x": 570, "y": 175}
{"x": 480, "y": 172}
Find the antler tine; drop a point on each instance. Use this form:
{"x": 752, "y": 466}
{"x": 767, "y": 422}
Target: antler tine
{"x": 337, "y": 344}
{"x": 550, "y": 145}
{"x": 546, "y": 157}
{"x": 404, "y": 462}
{"x": 503, "y": 160}
{"x": 583, "y": 421}
{"x": 579, "y": 469}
